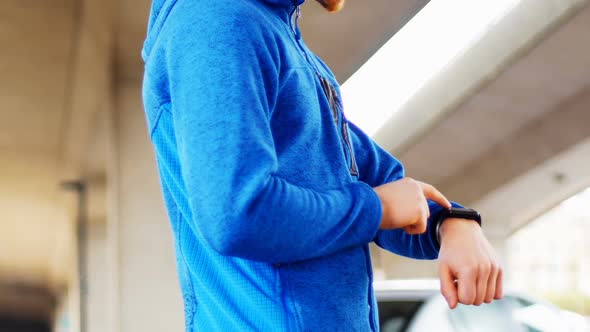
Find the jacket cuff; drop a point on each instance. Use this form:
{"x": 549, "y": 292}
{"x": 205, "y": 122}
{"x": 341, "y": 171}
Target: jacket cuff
{"x": 368, "y": 226}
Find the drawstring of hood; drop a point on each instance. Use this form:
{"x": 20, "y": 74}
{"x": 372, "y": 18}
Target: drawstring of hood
{"x": 296, "y": 14}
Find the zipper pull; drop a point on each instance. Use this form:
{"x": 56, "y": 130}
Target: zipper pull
{"x": 297, "y": 16}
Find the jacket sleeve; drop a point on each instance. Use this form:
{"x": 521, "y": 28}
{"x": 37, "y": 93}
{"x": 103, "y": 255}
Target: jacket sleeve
{"x": 377, "y": 167}
{"x": 223, "y": 84}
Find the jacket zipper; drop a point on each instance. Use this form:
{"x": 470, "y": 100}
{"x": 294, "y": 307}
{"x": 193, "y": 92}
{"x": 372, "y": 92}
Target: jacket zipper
{"x": 332, "y": 95}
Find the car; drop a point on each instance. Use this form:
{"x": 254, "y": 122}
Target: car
{"x": 417, "y": 306}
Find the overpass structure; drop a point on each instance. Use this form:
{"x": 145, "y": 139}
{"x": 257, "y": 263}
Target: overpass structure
{"x": 502, "y": 128}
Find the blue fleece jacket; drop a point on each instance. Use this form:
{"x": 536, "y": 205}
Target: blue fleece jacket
{"x": 267, "y": 185}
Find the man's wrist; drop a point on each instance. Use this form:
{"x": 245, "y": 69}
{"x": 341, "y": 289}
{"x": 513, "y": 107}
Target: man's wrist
{"x": 458, "y": 214}
{"x": 452, "y": 224}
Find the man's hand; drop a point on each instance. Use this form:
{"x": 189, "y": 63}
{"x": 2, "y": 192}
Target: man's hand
{"x": 469, "y": 270}
{"x": 404, "y": 204}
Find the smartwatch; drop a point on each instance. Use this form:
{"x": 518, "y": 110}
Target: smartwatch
{"x": 460, "y": 213}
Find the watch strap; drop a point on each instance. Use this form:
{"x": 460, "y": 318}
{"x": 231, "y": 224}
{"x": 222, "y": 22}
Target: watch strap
{"x": 461, "y": 213}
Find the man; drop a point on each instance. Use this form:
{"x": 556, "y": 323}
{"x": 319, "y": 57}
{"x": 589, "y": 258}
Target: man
{"x": 272, "y": 195}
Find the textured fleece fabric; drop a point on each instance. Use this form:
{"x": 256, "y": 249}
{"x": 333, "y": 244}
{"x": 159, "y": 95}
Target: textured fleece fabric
{"x": 267, "y": 186}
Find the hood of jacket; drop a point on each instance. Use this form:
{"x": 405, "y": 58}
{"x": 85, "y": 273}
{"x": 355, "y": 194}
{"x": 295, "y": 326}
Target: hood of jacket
{"x": 160, "y": 9}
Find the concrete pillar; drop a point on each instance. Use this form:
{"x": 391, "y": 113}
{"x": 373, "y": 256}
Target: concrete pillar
{"x": 96, "y": 286}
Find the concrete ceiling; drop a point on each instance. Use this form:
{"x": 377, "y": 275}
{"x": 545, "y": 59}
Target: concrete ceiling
{"x": 535, "y": 109}
{"x": 34, "y": 70}
{"x": 346, "y": 40}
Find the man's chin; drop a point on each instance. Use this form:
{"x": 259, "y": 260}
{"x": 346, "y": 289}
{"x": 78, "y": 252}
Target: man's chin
{"x": 332, "y": 5}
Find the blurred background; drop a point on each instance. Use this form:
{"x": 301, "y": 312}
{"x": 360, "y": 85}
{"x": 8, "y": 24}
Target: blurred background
{"x": 488, "y": 101}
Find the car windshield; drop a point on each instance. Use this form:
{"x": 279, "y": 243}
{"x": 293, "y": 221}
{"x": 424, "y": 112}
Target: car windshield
{"x": 503, "y": 315}
{"x": 512, "y": 313}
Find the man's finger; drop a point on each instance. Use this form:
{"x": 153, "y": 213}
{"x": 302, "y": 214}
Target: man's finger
{"x": 412, "y": 230}
{"x": 417, "y": 228}
{"x": 467, "y": 287}
{"x": 492, "y": 281}
{"x": 447, "y": 286}
{"x": 419, "y": 225}
{"x": 432, "y": 193}
{"x": 423, "y": 224}
{"x": 483, "y": 275}
{"x": 426, "y": 210}
{"x": 499, "y": 286}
